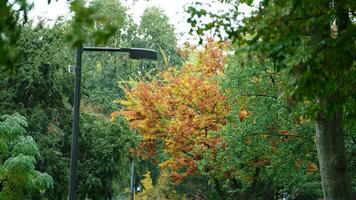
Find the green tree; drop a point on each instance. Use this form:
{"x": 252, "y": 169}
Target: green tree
{"x": 269, "y": 144}
{"x": 103, "y": 71}
{"x": 86, "y": 19}
{"x": 10, "y": 30}
{"x": 314, "y": 43}
{"x": 104, "y": 156}
{"x": 157, "y": 33}
{"x": 18, "y": 177}
{"x": 40, "y": 89}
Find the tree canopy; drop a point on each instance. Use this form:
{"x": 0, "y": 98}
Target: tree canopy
{"x": 265, "y": 110}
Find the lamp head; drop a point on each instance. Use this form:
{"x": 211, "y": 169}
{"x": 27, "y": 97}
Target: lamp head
{"x": 141, "y": 53}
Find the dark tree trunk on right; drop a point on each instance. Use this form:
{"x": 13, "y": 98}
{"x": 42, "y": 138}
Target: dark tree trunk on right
{"x": 331, "y": 153}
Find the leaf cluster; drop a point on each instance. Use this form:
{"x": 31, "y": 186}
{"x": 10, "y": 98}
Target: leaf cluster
{"x": 18, "y": 177}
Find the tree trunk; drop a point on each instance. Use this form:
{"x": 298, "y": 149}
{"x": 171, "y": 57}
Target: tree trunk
{"x": 331, "y": 153}
{"x": 218, "y": 189}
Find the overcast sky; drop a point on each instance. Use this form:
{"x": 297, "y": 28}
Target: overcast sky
{"x": 174, "y": 9}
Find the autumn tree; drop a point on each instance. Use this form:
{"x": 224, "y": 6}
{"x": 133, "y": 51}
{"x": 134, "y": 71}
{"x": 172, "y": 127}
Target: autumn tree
{"x": 256, "y": 150}
{"x": 179, "y": 110}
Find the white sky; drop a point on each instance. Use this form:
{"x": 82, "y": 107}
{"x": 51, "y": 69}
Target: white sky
{"x": 174, "y": 9}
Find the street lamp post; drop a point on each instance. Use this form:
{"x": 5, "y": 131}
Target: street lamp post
{"x": 134, "y": 53}
{"x": 132, "y": 181}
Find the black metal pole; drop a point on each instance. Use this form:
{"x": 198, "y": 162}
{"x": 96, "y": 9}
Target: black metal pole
{"x": 75, "y": 127}
{"x": 134, "y": 53}
{"x": 132, "y": 183}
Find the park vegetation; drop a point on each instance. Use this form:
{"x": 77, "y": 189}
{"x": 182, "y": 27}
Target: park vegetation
{"x": 264, "y": 109}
